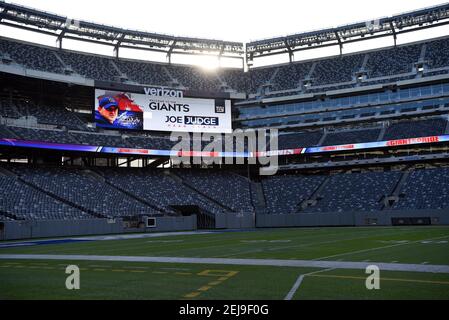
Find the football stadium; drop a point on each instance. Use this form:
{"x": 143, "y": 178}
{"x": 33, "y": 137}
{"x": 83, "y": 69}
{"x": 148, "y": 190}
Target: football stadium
{"x": 125, "y": 178}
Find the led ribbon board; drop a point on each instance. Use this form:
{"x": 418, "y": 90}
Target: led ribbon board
{"x": 286, "y": 152}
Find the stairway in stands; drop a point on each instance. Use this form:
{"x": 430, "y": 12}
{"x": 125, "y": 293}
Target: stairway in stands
{"x": 258, "y": 198}
{"x": 394, "y": 197}
{"x": 315, "y": 196}
{"x": 186, "y": 184}
{"x": 98, "y": 175}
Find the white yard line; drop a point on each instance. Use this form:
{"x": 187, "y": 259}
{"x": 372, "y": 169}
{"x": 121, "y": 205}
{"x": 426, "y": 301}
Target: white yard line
{"x": 378, "y": 248}
{"x": 319, "y": 271}
{"x": 302, "y": 245}
{"x": 295, "y": 287}
{"x": 299, "y": 281}
{"x": 325, "y": 264}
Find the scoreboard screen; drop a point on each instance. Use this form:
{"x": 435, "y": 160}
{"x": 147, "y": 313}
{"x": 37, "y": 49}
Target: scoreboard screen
{"x": 159, "y": 109}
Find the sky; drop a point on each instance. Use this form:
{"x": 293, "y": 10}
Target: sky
{"x": 233, "y": 20}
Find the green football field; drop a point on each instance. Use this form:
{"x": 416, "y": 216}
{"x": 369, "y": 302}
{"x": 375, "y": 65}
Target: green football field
{"x": 245, "y": 265}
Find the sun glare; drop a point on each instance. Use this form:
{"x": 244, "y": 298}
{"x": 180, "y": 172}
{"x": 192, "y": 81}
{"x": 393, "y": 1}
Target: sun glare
{"x": 208, "y": 63}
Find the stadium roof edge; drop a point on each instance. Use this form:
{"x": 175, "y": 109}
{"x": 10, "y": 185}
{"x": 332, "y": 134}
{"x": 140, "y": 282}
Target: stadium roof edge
{"x": 347, "y": 25}
{"x": 337, "y": 36}
{"x": 14, "y": 15}
{"x": 61, "y": 27}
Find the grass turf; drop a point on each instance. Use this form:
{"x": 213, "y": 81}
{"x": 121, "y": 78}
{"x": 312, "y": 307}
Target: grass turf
{"x": 22, "y": 279}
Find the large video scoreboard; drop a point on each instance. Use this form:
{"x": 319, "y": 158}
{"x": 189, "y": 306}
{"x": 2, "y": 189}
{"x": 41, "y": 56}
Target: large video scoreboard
{"x": 161, "y": 109}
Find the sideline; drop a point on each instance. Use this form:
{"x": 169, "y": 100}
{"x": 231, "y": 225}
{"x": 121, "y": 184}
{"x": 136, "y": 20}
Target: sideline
{"x": 246, "y": 262}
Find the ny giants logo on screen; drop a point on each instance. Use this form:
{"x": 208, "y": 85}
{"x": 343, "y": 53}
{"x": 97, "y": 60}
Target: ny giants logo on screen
{"x": 220, "y": 109}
